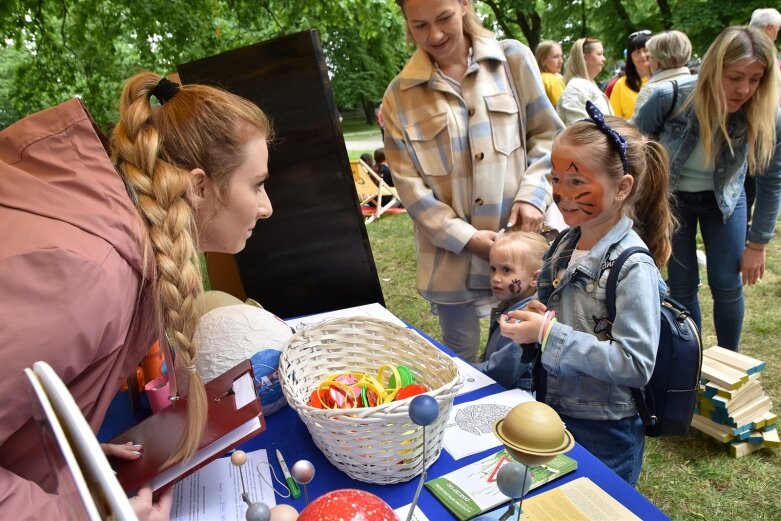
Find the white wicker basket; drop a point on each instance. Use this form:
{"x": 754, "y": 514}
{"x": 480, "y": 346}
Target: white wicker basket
{"x": 375, "y": 444}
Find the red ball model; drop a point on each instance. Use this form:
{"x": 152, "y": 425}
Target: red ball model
{"x": 348, "y": 505}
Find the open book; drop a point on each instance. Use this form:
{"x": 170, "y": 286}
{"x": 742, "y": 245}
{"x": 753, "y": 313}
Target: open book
{"x": 472, "y": 490}
{"x": 234, "y": 417}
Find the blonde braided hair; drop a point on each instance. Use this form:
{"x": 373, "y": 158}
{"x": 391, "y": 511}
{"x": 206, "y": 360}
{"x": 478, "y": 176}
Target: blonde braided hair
{"x": 154, "y": 149}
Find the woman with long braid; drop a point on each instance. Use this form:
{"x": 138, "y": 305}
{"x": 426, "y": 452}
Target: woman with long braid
{"x": 95, "y": 266}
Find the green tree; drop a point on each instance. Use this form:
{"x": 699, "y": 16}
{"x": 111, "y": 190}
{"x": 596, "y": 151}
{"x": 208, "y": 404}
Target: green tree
{"x": 612, "y": 20}
{"x": 52, "y": 51}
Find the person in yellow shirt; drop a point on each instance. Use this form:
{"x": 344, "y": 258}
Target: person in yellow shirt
{"x": 638, "y": 70}
{"x": 550, "y": 58}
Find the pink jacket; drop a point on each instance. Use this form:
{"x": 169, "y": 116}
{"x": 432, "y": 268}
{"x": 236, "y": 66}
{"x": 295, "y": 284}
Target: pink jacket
{"x": 71, "y": 267}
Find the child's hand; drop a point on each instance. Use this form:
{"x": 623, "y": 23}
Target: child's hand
{"x": 536, "y": 306}
{"x": 522, "y": 327}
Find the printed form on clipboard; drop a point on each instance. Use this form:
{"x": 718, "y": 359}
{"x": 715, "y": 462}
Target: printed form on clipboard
{"x": 234, "y": 416}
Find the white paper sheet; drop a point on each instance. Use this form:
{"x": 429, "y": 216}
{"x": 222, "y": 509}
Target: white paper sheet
{"x": 472, "y": 378}
{"x": 469, "y": 429}
{"x": 418, "y": 515}
{"x": 214, "y": 492}
{"x": 374, "y": 310}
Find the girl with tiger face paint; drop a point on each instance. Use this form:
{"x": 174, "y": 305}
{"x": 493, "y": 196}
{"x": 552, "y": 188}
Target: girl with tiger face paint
{"x": 611, "y": 184}
{"x": 586, "y": 196}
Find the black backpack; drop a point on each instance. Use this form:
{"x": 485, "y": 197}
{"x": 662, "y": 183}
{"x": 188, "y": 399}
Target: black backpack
{"x": 666, "y": 403}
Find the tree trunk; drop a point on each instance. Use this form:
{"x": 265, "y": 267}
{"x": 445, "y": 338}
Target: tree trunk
{"x": 667, "y": 16}
{"x": 501, "y": 19}
{"x": 623, "y": 15}
{"x": 368, "y": 111}
{"x": 531, "y": 25}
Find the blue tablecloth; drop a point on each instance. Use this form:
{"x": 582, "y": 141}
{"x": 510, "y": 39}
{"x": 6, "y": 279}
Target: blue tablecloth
{"x": 286, "y": 432}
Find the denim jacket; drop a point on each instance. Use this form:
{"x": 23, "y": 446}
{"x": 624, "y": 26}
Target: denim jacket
{"x": 589, "y": 373}
{"x": 506, "y": 361}
{"x": 680, "y": 133}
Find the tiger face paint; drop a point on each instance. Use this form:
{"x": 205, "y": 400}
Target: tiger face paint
{"x": 576, "y": 191}
{"x": 585, "y": 195}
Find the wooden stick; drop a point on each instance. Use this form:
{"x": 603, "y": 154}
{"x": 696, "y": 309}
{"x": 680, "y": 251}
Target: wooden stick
{"x": 739, "y": 361}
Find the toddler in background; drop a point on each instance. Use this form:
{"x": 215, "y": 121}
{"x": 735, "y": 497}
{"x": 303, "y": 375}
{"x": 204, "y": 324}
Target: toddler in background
{"x": 515, "y": 260}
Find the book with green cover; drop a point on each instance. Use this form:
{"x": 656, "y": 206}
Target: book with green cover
{"x": 471, "y": 490}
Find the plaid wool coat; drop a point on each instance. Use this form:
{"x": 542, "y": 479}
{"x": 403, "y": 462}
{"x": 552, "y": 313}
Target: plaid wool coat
{"x": 461, "y": 159}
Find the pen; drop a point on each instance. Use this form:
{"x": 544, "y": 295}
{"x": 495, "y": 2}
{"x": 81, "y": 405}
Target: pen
{"x": 295, "y": 492}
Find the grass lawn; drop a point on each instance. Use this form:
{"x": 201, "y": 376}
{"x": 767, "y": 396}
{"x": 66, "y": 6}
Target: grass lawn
{"x": 690, "y": 477}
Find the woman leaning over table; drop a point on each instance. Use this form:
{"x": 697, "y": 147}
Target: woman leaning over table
{"x": 585, "y": 62}
{"x": 94, "y": 265}
{"x": 467, "y": 160}
{"x": 725, "y": 120}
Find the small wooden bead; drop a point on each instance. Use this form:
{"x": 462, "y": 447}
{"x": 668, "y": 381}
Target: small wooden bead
{"x": 239, "y": 458}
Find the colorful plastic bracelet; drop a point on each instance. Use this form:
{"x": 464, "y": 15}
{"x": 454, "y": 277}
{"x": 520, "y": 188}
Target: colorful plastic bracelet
{"x": 545, "y": 319}
{"x": 547, "y": 334}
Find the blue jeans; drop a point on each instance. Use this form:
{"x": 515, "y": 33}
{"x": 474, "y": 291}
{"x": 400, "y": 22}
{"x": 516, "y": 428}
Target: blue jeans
{"x": 618, "y": 444}
{"x": 724, "y": 245}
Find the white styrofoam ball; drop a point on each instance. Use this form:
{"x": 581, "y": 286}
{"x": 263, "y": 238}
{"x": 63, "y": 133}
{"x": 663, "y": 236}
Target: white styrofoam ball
{"x": 227, "y": 335}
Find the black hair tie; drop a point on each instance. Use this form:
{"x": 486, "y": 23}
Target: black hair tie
{"x": 165, "y": 90}
{"x": 618, "y": 140}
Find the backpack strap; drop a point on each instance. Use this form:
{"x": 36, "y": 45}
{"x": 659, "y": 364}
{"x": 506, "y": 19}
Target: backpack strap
{"x": 612, "y": 278}
{"x": 540, "y": 375}
{"x": 610, "y": 290}
{"x": 675, "y": 99}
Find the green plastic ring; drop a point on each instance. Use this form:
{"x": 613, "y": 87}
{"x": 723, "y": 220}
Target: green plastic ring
{"x": 405, "y": 375}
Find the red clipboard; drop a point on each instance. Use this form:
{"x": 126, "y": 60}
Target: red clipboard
{"x": 229, "y": 424}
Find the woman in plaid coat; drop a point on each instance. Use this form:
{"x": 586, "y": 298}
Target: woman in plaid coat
{"x": 468, "y": 134}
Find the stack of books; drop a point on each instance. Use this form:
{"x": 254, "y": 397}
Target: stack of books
{"x": 732, "y": 406}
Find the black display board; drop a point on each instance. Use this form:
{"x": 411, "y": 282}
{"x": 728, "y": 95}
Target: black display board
{"x": 313, "y": 254}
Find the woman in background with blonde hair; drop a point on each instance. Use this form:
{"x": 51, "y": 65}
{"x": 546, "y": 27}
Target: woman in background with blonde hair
{"x": 723, "y": 123}
{"x": 550, "y": 59}
{"x": 585, "y": 62}
{"x": 95, "y": 266}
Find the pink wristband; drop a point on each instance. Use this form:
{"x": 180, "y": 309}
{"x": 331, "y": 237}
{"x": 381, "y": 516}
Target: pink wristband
{"x": 542, "y": 326}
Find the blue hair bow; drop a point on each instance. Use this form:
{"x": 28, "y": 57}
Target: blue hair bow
{"x": 618, "y": 140}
